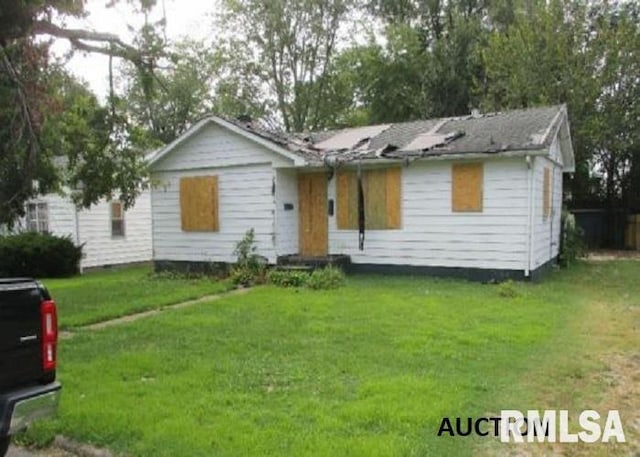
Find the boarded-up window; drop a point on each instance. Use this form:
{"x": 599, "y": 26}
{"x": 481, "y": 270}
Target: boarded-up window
{"x": 117, "y": 219}
{"x": 199, "y": 204}
{"x": 546, "y": 193}
{"x": 382, "y": 199}
{"x": 466, "y": 187}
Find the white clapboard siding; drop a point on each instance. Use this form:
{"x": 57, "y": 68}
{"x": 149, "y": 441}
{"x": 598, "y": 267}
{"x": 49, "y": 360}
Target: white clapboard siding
{"x": 215, "y": 146}
{"x": 62, "y": 215}
{"x": 557, "y": 214}
{"x": 92, "y": 229}
{"x": 286, "y": 220}
{"x": 100, "y": 248}
{"x": 245, "y": 201}
{"x": 557, "y": 196}
{"x": 433, "y": 235}
{"x": 546, "y": 231}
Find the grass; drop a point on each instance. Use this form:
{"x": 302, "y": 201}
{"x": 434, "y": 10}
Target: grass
{"x": 595, "y": 362}
{"x": 366, "y": 370}
{"x": 106, "y": 294}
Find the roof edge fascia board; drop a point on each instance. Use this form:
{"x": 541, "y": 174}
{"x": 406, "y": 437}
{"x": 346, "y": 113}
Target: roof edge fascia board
{"x": 443, "y": 157}
{"x": 555, "y": 124}
{"x": 555, "y": 129}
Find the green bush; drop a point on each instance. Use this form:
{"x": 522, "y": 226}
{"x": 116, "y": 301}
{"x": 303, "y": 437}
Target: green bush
{"x": 243, "y": 276}
{"x": 38, "y": 255}
{"x": 250, "y": 268}
{"x": 326, "y": 278}
{"x": 288, "y": 278}
{"x": 572, "y": 246}
{"x": 508, "y": 289}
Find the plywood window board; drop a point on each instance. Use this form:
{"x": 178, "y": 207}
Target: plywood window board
{"x": 382, "y": 199}
{"x": 467, "y": 187}
{"x": 199, "y": 204}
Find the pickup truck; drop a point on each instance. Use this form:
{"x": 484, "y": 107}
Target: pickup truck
{"x": 28, "y": 339}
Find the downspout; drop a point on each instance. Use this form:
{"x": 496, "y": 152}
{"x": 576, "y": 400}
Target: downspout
{"x": 361, "y": 211}
{"x": 152, "y": 231}
{"x": 274, "y": 219}
{"x": 552, "y": 215}
{"x": 530, "y": 169}
{"x": 77, "y": 224}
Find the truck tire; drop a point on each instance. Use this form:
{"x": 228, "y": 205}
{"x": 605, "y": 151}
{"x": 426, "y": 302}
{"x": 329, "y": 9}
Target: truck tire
{"x": 4, "y": 445}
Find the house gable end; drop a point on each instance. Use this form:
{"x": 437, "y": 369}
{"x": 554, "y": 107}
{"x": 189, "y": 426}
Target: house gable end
{"x": 566, "y": 147}
{"x": 211, "y": 143}
{"x": 559, "y": 141}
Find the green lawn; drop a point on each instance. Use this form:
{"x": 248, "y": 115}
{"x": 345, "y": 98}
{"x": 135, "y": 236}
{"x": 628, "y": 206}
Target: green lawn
{"x": 366, "y": 370}
{"x": 105, "y": 294}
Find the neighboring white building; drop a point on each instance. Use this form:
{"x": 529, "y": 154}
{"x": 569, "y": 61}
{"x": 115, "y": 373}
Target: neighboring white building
{"x": 109, "y": 235}
{"x": 476, "y": 196}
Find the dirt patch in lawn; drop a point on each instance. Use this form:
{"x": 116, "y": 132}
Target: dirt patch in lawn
{"x": 612, "y": 254}
{"x": 603, "y": 375}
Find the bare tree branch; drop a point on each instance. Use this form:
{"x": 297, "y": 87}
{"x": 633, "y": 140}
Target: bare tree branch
{"x": 77, "y": 37}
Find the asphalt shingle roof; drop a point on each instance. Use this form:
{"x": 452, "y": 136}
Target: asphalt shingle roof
{"x": 515, "y": 130}
{"x": 511, "y": 130}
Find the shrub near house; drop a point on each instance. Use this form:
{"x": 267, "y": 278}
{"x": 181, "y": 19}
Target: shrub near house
{"x": 38, "y": 255}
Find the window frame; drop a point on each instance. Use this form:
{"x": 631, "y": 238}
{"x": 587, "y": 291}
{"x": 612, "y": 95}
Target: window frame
{"x": 120, "y": 219}
{"x": 41, "y": 219}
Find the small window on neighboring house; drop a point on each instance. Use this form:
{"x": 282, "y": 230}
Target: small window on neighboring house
{"x": 38, "y": 217}
{"x": 199, "y": 204}
{"x": 382, "y": 199}
{"x": 466, "y": 187}
{"x": 546, "y": 194}
{"x": 117, "y": 219}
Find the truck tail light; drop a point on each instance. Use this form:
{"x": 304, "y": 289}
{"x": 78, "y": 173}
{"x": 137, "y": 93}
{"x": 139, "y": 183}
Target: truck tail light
{"x": 49, "y": 334}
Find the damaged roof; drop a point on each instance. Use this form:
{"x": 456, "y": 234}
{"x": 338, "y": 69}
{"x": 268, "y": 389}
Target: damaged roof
{"x": 523, "y": 130}
{"x": 517, "y": 130}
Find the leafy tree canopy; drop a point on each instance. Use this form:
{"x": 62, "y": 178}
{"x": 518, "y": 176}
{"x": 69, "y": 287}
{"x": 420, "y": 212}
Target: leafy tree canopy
{"x": 54, "y": 131}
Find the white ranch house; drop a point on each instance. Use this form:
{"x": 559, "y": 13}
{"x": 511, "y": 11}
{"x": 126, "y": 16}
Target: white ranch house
{"x": 477, "y": 196}
{"x": 109, "y": 234}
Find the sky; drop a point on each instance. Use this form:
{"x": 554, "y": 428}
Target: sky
{"x": 184, "y": 18}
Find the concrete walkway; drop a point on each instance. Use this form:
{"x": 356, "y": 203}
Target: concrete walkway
{"x": 15, "y": 451}
{"x": 61, "y": 447}
{"x": 152, "y": 312}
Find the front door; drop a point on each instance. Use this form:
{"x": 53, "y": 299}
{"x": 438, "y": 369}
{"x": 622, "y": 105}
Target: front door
{"x": 314, "y": 232}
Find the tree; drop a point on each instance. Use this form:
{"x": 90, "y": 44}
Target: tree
{"x": 428, "y": 63}
{"x": 22, "y": 115}
{"x": 588, "y": 57}
{"x": 543, "y": 58}
{"x": 287, "y": 48}
{"x": 32, "y": 98}
{"x": 614, "y": 134}
{"x": 180, "y": 94}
